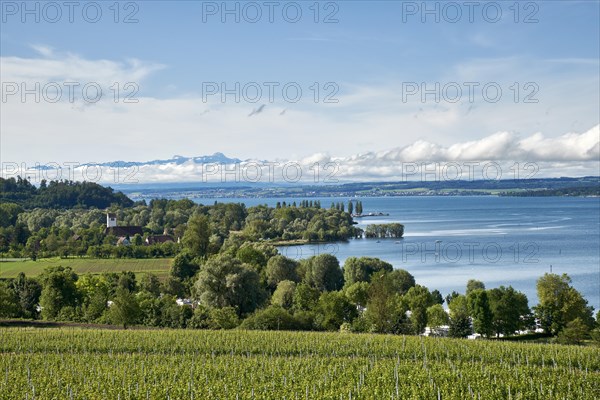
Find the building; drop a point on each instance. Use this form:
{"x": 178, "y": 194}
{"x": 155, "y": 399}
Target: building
{"x": 111, "y": 220}
{"x": 158, "y": 239}
{"x": 123, "y": 233}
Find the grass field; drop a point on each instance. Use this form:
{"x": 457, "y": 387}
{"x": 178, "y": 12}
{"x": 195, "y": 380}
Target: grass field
{"x": 68, "y": 363}
{"x": 159, "y": 266}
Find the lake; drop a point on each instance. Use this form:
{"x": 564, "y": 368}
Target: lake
{"x": 498, "y": 240}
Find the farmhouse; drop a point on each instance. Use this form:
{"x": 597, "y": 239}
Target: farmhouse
{"x": 158, "y": 239}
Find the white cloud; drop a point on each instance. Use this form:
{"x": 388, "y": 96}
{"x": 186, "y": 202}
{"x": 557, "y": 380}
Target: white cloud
{"x": 369, "y": 131}
{"x": 55, "y": 67}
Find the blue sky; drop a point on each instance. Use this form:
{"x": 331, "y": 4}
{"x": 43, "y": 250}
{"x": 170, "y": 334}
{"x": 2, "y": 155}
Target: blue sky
{"x": 371, "y": 53}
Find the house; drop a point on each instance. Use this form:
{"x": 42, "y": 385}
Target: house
{"x": 158, "y": 239}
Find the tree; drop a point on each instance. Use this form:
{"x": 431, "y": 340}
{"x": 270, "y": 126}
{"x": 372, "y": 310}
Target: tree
{"x": 284, "y": 294}
{"x": 95, "y": 292}
{"x": 125, "y": 309}
{"x": 127, "y": 281}
{"x": 437, "y": 297}
{"x": 324, "y": 273}
{"x": 251, "y": 256}
{"x": 305, "y": 297}
{"x": 58, "y": 291}
{"x": 436, "y": 317}
{"x": 401, "y": 280}
{"x": 28, "y": 292}
{"x": 9, "y": 302}
{"x": 350, "y": 207}
{"x": 418, "y": 300}
{"x": 560, "y": 303}
{"x": 197, "y": 235}
{"x": 386, "y": 312}
{"x": 474, "y": 284}
{"x": 184, "y": 266}
{"x": 479, "y": 309}
{"x": 151, "y": 284}
{"x": 334, "y": 309}
{"x": 361, "y": 269}
{"x": 460, "y": 322}
{"x": 575, "y": 332}
{"x": 359, "y": 208}
{"x": 358, "y": 293}
{"x": 225, "y": 282}
{"x": 281, "y": 268}
{"x": 509, "y": 309}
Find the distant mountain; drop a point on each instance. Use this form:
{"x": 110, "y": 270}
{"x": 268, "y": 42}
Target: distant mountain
{"x": 218, "y": 158}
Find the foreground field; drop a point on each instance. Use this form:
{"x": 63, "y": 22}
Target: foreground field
{"x": 102, "y": 364}
{"x": 159, "y": 266}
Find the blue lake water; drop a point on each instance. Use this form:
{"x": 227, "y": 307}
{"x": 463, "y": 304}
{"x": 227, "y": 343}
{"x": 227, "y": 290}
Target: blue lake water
{"x": 498, "y": 240}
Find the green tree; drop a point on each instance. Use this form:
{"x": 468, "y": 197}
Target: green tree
{"x": 575, "y": 332}
{"x": 334, "y": 309}
{"x": 58, "y": 291}
{"x": 95, "y": 292}
{"x": 436, "y": 317}
{"x": 358, "y": 293}
{"x": 386, "y": 312}
{"x": 184, "y": 266}
{"x": 281, "y": 268}
{"x": 509, "y": 309}
{"x": 124, "y": 309}
{"x": 474, "y": 284}
{"x": 460, "y": 322}
{"x": 284, "y": 294}
{"x": 361, "y": 269}
{"x": 560, "y": 303}
{"x": 9, "y": 302}
{"x": 28, "y": 292}
{"x": 127, "y": 281}
{"x": 401, "y": 280}
{"x": 324, "y": 273}
{"x": 480, "y": 311}
{"x": 225, "y": 282}
{"x": 305, "y": 297}
{"x": 359, "y": 208}
{"x": 197, "y": 235}
{"x": 151, "y": 284}
{"x": 418, "y": 300}
{"x": 437, "y": 297}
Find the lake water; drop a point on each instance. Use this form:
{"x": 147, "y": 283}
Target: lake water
{"x": 498, "y": 240}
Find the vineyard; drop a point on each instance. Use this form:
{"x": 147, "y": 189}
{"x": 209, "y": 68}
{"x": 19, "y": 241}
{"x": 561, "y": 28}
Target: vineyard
{"x": 174, "y": 364}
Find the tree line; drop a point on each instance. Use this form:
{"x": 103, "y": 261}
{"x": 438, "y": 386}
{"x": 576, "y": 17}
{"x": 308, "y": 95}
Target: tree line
{"x": 47, "y": 232}
{"x": 60, "y": 194}
{"x": 251, "y": 286}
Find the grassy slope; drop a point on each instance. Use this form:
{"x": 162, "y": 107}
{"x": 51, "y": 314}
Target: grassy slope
{"x": 159, "y": 266}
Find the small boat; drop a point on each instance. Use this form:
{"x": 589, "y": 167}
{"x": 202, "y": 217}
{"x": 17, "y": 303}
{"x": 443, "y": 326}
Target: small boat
{"x": 379, "y": 241}
{"x": 438, "y": 241}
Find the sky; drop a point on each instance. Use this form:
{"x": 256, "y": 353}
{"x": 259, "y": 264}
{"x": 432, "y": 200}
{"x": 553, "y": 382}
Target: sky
{"x": 371, "y": 83}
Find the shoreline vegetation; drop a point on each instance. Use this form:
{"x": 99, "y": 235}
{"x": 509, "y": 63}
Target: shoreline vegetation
{"x": 224, "y": 271}
{"x": 579, "y": 187}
